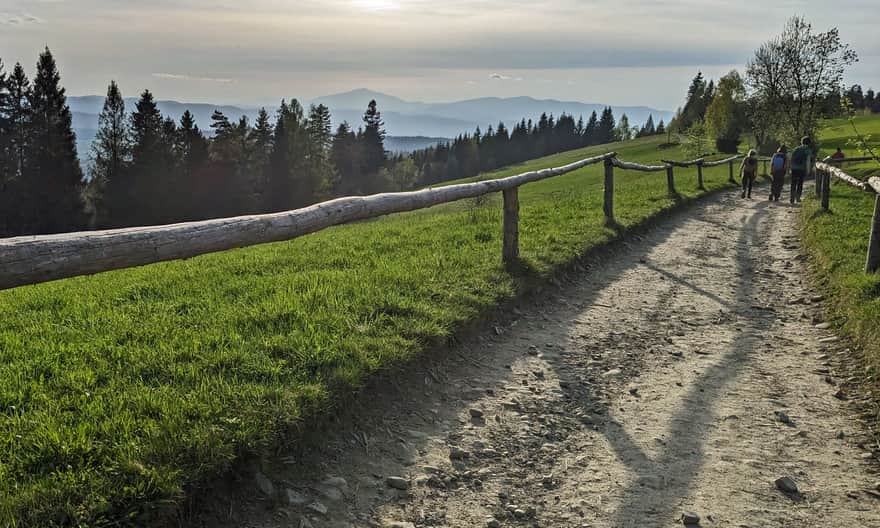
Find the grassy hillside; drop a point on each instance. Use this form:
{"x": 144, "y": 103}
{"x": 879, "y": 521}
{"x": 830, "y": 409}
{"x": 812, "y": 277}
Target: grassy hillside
{"x": 119, "y": 391}
{"x": 838, "y": 241}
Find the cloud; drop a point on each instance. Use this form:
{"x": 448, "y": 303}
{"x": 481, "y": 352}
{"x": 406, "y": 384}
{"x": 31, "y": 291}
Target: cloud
{"x": 182, "y": 77}
{"x": 500, "y": 77}
{"x": 12, "y": 19}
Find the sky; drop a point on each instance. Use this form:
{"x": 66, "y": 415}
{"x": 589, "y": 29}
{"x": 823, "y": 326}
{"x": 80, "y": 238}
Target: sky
{"x": 255, "y": 52}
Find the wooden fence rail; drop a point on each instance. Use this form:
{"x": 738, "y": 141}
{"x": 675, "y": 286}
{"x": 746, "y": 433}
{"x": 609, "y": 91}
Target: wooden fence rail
{"x": 825, "y": 171}
{"x": 35, "y": 259}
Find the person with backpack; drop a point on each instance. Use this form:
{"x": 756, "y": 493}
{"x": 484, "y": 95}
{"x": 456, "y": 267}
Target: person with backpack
{"x": 749, "y": 172}
{"x": 778, "y": 168}
{"x": 801, "y": 160}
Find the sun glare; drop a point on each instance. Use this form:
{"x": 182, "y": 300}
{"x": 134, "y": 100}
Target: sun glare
{"x": 376, "y": 5}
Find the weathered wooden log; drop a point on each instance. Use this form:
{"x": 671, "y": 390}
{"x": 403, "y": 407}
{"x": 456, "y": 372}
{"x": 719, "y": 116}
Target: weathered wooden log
{"x": 872, "y": 262}
{"x": 510, "y": 249}
{"x": 841, "y": 161}
{"x": 874, "y": 183}
{"x": 825, "y": 178}
{"x": 627, "y": 165}
{"x": 840, "y": 175}
{"x": 609, "y": 190}
{"x": 683, "y": 164}
{"x": 717, "y": 163}
{"x": 670, "y": 179}
{"x": 34, "y": 259}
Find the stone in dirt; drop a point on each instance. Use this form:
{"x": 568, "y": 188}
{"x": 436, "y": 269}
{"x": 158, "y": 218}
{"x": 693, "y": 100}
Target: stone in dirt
{"x": 398, "y": 524}
{"x": 397, "y": 483}
{"x": 295, "y": 498}
{"x": 336, "y": 482}
{"x": 492, "y": 522}
{"x": 317, "y": 507}
{"x": 823, "y": 326}
{"x": 782, "y": 417}
{"x": 690, "y": 519}
{"x": 457, "y": 453}
{"x": 840, "y": 395}
{"x": 786, "y": 485}
{"x": 264, "y": 484}
{"x": 475, "y": 413}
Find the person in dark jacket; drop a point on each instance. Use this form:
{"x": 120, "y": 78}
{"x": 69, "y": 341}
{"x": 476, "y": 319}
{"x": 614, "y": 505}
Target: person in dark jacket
{"x": 778, "y": 168}
{"x": 801, "y": 161}
{"x": 749, "y": 172}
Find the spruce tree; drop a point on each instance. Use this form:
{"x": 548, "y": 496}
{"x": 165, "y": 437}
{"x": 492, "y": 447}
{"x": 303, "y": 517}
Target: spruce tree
{"x": 605, "y": 129}
{"x": 6, "y": 168}
{"x": 661, "y": 128}
{"x": 261, "y": 139}
{"x": 591, "y": 130}
{"x": 56, "y": 180}
{"x": 110, "y": 155}
{"x": 320, "y": 140}
{"x": 372, "y": 147}
{"x": 144, "y": 196}
{"x": 346, "y": 161}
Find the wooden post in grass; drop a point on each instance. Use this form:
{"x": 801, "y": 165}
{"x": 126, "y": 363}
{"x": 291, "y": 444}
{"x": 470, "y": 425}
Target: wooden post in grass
{"x": 819, "y": 181}
{"x": 510, "y": 249}
{"x": 670, "y": 179}
{"x": 700, "y": 175}
{"x": 825, "y": 178}
{"x": 765, "y": 167}
{"x": 609, "y": 190}
{"x": 872, "y": 263}
{"x": 730, "y": 165}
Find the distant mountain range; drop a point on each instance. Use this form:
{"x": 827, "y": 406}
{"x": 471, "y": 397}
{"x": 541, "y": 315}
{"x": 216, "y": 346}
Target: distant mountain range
{"x": 410, "y": 125}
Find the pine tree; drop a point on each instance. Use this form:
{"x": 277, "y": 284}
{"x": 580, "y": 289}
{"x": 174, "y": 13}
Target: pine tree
{"x": 345, "y": 156}
{"x": 6, "y": 167}
{"x": 661, "y": 128}
{"x": 320, "y": 140}
{"x": 56, "y": 180}
{"x": 591, "y": 131}
{"x": 261, "y": 139}
{"x": 110, "y": 155}
{"x": 605, "y": 129}
{"x": 372, "y": 147}
{"x": 144, "y": 196}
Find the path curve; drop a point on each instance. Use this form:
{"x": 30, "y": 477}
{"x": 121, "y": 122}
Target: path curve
{"x": 657, "y": 383}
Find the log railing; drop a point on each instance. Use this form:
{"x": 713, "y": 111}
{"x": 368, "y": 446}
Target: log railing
{"x": 825, "y": 171}
{"x": 35, "y": 259}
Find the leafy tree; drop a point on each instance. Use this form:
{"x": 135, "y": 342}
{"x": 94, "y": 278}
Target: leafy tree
{"x": 726, "y": 114}
{"x": 56, "y": 179}
{"x": 695, "y": 141}
{"x": 794, "y": 73}
{"x": 623, "y": 131}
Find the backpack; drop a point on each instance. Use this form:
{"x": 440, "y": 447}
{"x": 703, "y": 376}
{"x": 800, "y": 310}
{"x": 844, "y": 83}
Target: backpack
{"x": 799, "y": 157}
{"x": 778, "y": 163}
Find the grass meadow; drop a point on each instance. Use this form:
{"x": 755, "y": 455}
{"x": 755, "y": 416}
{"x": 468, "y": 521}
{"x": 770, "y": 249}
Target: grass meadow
{"x": 838, "y": 241}
{"x": 121, "y": 392}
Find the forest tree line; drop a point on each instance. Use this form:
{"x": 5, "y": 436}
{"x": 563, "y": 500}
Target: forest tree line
{"x": 145, "y": 168}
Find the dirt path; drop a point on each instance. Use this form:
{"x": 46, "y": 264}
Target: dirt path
{"x": 650, "y": 386}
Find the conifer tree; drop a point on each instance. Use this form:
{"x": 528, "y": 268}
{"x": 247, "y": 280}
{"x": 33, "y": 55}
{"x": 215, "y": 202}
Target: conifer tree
{"x": 56, "y": 181}
{"x": 591, "y": 131}
{"x": 372, "y": 147}
{"x": 345, "y": 156}
{"x": 605, "y": 129}
{"x": 142, "y": 198}
{"x": 110, "y": 154}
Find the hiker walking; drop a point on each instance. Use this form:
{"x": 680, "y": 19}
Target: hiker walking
{"x": 778, "y": 168}
{"x": 838, "y": 155}
{"x": 749, "y": 172}
{"x": 801, "y": 160}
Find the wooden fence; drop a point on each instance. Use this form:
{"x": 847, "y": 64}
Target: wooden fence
{"x": 35, "y": 259}
{"x": 828, "y": 168}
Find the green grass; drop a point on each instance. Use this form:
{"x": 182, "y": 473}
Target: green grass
{"x": 122, "y": 391}
{"x": 838, "y": 242}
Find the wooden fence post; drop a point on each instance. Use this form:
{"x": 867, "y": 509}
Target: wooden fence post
{"x": 872, "y": 263}
{"x": 670, "y": 179}
{"x": 765, "y": 167}
{"x": 731, "y": 172}
{"x": 700, "y": 176}
{"x": 510, "y": 249}
{"x": 818, "y": 185}
{"x": 825, "y": 178}
{"x": 609, "y": 190}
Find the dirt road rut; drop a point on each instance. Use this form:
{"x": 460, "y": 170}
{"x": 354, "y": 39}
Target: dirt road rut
{"x": 686, "y": 373}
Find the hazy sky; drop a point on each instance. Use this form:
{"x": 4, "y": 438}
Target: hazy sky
{"x": 258, "y": 51}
